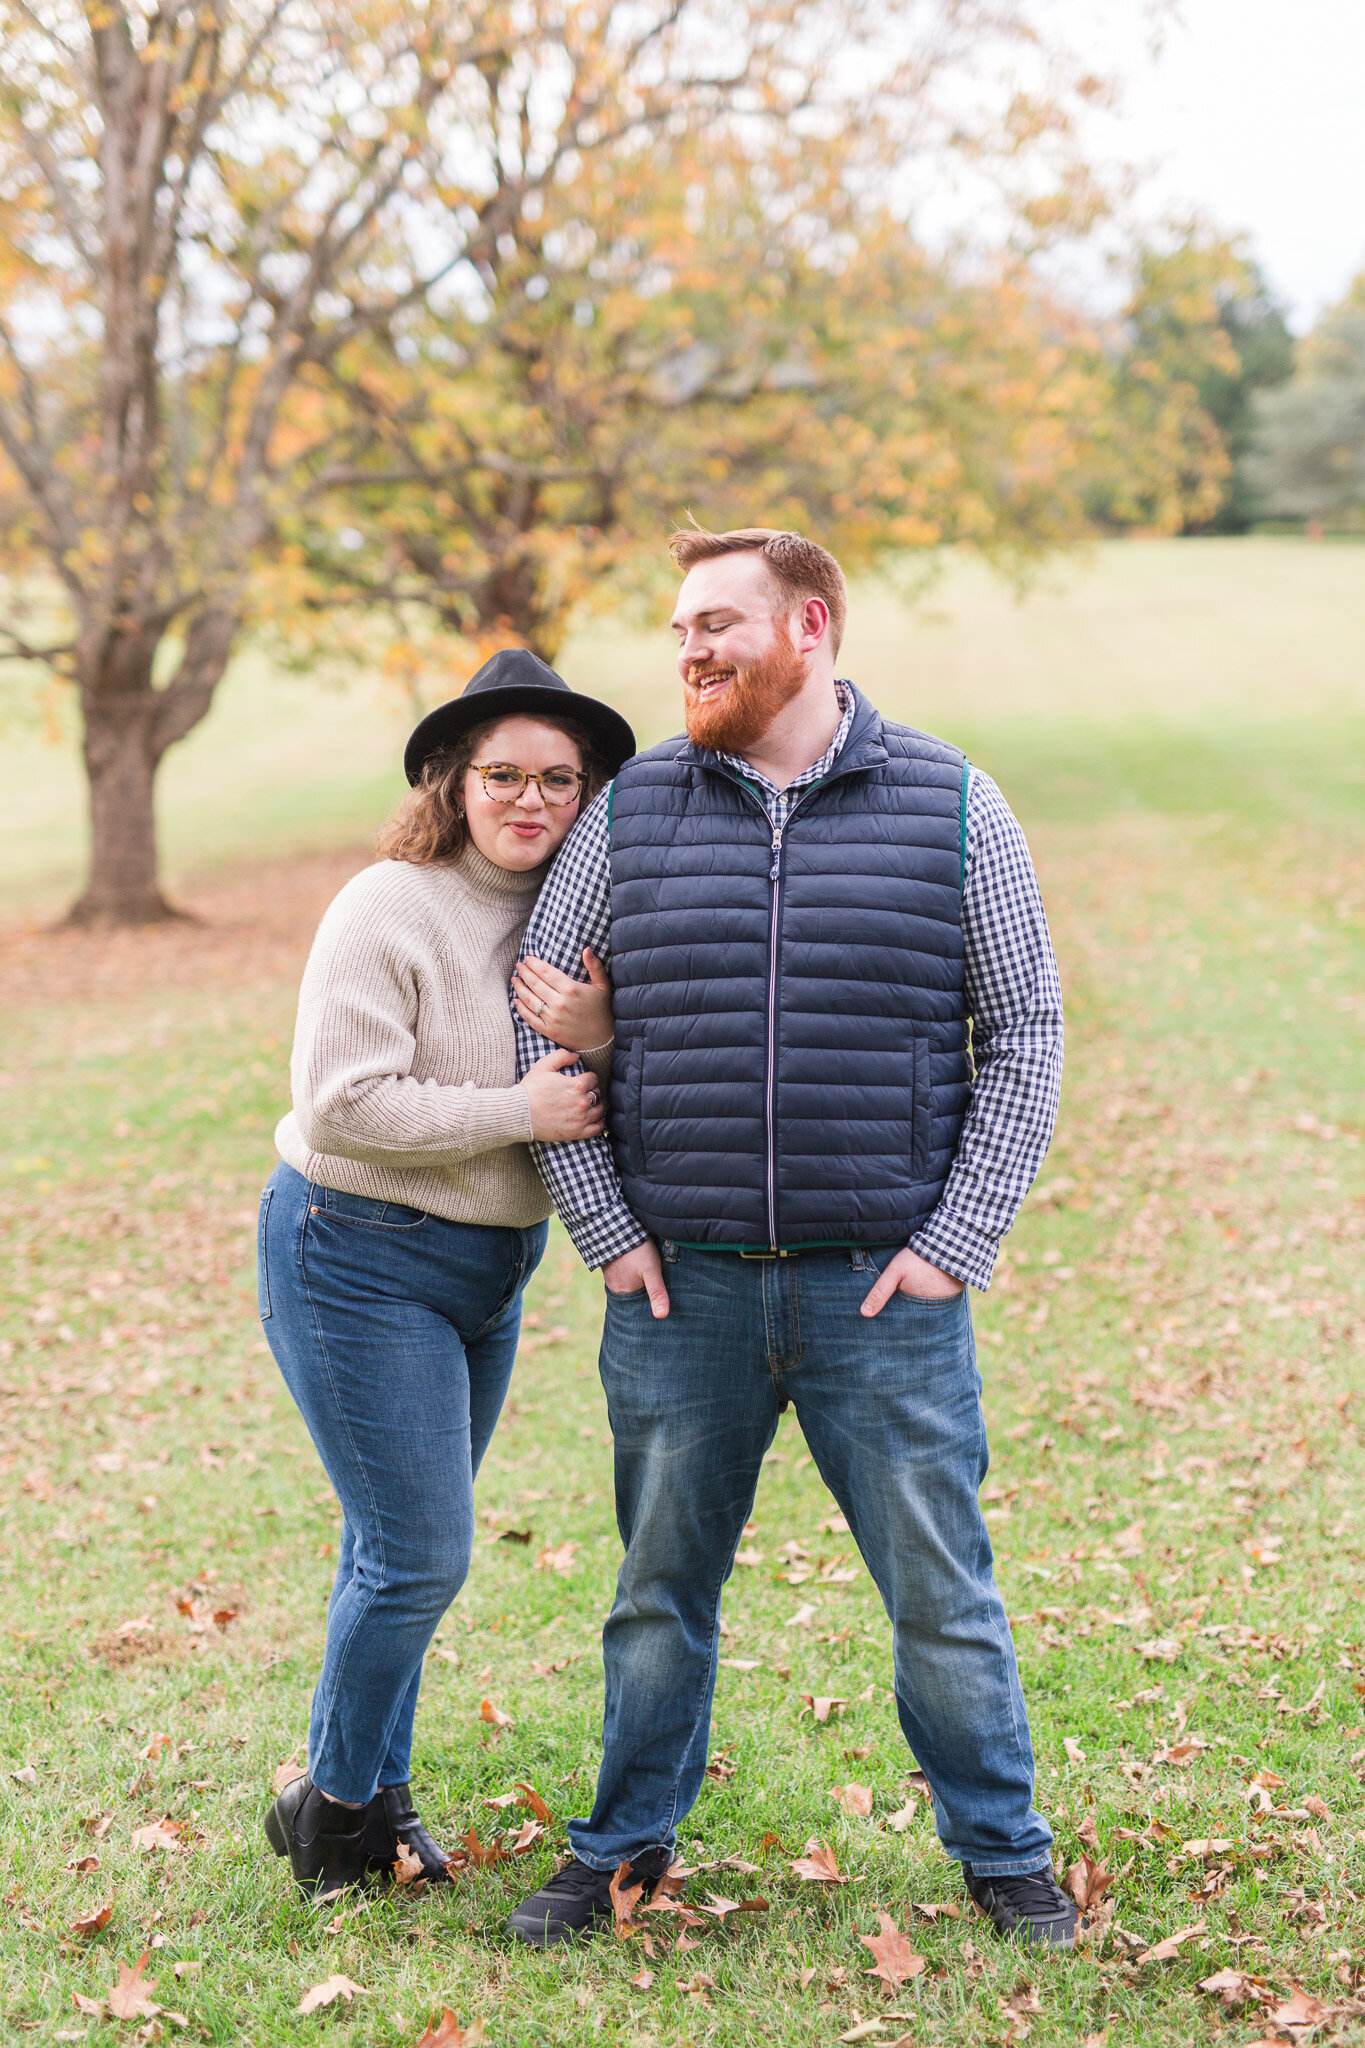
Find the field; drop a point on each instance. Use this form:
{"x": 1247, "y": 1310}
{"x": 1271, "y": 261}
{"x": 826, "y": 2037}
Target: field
{"x": 1172, "y": 1368}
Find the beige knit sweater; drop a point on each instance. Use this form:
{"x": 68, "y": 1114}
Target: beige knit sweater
{"x": 404, "y": 1069}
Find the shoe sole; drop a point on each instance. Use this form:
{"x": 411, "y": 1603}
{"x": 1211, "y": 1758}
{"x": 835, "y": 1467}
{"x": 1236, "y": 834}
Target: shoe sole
{"x": 538, "y": 1936}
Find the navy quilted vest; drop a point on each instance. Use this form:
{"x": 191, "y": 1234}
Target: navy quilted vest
{"x": 791, "y": 1047}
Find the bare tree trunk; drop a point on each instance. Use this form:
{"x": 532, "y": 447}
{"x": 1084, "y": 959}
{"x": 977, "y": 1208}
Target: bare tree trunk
{"x": 121, "y": 760}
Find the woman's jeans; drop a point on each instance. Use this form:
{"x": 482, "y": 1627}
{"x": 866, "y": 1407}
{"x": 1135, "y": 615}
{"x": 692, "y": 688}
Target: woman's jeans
{"x": 395, "y": 1332}
{"x": 890, "y": 1407}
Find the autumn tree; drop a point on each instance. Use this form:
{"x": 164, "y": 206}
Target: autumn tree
{"x": 202, "y": 208}
{"x": 1308, "y": 458}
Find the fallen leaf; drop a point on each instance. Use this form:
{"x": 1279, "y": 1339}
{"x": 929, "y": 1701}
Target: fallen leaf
{"x": 1207, "y": 1845}
{"x": 495, "y": 1715}
{"x": 1300, "y": 2009}
{"x": 98, "y": 1825}
{"x": 894, "y": 1961}
{"x": 448, "y": 2033}
{"x": 1158, "y": 1650}
{"x": 855, "y": 1799}
{"x": 91, "y": 1924}
{"x": 803, "y": 1617}
{"x": 719, "y": 1906}
{"x": 159, "y": 1834}
{"x": 560, "y": 1559}
{"x": 643, "y": 1981}
{"x": 286, "y": 1773}
{"x": 818, "y": 1865}
{"x": 834, "y": 1525}
{"x": 1089, "y": 1836}
{"x": 187, "y": 1969}
{"x": 903, "y": 1817}
{"x": 407, "y": 1868}
{"x": 483, "y": 1856}
{"x": 821, "y": 1707}
{"x": 749, "y": 1556}
{"x": 515, "y": 1536}
{"x": 1232, "y": 1987}
{"x": 131, "y": 1997}
{"x": 1074, "y": 1753}
{"x": 769, "y": 1841}
{"x": 155, "y": 1747}
{"x": 697, "y": 1987}
{"x": 532, "y": 1799}
{"x": 328, "y": 1992}
{"x": 862, "y": 2030}
{"x": 1166, "y": 1951}
{"x": 624, "y": 1899}
{"x": 1318, "y": 1807}
{"x": 1087, "y": 1882}
{"x": 93, "y": 2008}
{"x": 935, "y": 1911}
{"x": 530, "y": 1833}
{"x": 82, "y": 1866}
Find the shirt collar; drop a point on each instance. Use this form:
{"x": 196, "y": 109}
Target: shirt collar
{"x": 818, "y": 768}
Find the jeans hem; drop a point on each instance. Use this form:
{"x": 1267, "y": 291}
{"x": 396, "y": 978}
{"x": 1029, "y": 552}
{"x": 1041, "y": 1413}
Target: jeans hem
{"x": 1007, "y": 1867}
{"x": 609, "y": 1869}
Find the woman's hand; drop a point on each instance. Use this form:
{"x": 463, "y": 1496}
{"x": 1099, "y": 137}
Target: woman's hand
{"x": 576, "y": 1014}
{"x": 563, "y": 1106}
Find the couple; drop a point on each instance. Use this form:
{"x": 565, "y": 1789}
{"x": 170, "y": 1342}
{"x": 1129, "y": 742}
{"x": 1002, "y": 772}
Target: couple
{"x": 810, "y": 914}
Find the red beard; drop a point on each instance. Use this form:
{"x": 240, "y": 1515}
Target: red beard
{"x": 742, "y": 715}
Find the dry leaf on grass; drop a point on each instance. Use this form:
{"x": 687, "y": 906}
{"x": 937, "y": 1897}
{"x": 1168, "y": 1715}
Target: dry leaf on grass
{"x": 855, "y": 1800}
{"x": 697, "y": 1987}
{"x": 1232, "y": 1988}
{"x": 328, "y": 1992}
{"x": 1088, "y": 1881}
{"x": 1074, "y": 1753}
{"x": 98, "y": 1824}
{"x": 159, "y": 1834}
{"x": 893, "y": 1959}
{"x": 1166, "y": 1951}
{"x": 558, "y": 1559}
{"x": 447, "y": 2032}
{"x": 821, "y": 1707}
{"x": 131, "y": 1997}
{"x": 407, "y": 1868}
{"x": 286, "y": 1773}
{"x": 88, "y": 1927}
{"x": 935, "y": 1911}
{"x": 1317, "y": 1807}
{"x": 1300, "y": 2009}
{"x": 484, "y": 1856}
{"x": 527, "y": 1836}
{"x": 903, "y": 1817}
{"x": 494, "y": 1715}
{"x": 624, "y": 1899}
{"x": 643, "y": 1981}
{"x": 818, "y": 1866}
{"x": 532, "y": 1799}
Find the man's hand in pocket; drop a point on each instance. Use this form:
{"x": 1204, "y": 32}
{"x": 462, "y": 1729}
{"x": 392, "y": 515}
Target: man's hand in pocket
{"x": 639, "y": 1271}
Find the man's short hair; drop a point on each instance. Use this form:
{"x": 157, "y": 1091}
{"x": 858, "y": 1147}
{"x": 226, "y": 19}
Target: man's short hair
{"x": 796, "y": 565}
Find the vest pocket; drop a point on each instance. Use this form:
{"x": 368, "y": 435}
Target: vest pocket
{"x": 922, "y": 1117}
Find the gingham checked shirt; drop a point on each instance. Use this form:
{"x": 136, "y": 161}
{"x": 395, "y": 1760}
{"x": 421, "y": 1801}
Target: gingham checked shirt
{"x": 1013, "y": 996}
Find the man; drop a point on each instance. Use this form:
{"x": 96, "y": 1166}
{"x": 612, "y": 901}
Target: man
{"x": 805, "y": 907}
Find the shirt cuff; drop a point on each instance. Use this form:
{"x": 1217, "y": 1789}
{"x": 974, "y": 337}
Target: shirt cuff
{"x": 957, "y": 1247}
{"x": 607, "y": 1235}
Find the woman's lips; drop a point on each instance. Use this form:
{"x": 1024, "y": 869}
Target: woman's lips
{"x": 526, "y": 831}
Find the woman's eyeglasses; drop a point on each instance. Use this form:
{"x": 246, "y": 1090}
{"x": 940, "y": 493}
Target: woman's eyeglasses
{"x": 504, "y": 783}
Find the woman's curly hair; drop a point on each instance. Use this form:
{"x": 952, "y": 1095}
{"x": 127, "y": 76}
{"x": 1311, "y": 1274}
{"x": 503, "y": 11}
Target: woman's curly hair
{"x": 430, "y": 824}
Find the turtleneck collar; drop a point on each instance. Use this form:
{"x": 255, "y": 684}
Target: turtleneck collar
{"x": 486, "y": 878}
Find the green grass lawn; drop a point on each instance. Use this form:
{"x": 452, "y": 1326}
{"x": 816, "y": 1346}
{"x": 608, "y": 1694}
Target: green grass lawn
{"x": 1171, "y": 1357}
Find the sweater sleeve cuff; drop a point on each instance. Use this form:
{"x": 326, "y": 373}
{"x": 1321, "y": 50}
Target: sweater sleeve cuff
{"x": 597, "y": 1060}
{"x": 605, "y": 1236}
{"x": 957, "y": 1247}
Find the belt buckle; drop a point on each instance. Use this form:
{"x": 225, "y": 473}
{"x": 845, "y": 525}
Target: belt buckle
{"x": 771, "y": 1253}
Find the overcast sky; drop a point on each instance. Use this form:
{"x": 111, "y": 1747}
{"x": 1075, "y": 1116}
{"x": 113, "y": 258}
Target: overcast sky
{"x": 1254, "y": 112}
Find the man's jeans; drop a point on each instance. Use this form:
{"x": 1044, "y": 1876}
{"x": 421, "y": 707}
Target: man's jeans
{"x": 395, "y": 1332}
{"x": 890, "y": 1408}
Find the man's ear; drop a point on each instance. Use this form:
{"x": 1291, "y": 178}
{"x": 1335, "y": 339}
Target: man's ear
{"x": 810, "y": 624}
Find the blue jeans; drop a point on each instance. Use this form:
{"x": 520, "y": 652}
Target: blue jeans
{"x": 890, "y": 1408}
{"x": 395, "y": 1332}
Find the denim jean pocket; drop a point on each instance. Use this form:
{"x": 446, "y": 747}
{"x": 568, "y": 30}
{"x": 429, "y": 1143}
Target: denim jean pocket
{"x": 368, "y": 1212}
{"x": 263, "y": 1259}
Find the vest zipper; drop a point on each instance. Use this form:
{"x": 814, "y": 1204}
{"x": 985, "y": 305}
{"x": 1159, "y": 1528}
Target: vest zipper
{"x": 775, "y": 882}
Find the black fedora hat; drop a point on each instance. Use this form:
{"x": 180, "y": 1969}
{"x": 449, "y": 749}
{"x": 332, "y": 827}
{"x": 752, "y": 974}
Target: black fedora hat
{"x": 516, "y": 682}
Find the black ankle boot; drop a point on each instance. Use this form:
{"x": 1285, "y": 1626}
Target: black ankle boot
{"x": 325, "y": 1843}
{"x": 391, "y": 1818}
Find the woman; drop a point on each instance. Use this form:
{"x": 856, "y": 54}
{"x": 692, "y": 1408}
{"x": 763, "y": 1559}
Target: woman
{"x": 406, "y": 1215}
